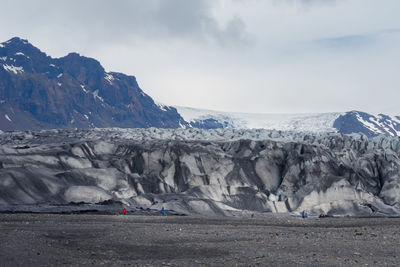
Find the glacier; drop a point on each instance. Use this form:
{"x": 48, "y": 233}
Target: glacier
{"x": 314, "y": 122}
{"x": 194, "y": 171}
{"x": 349, "y": 122}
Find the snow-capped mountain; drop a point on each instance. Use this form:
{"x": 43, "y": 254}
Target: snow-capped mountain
{"x": 368, "y": 124}
{"x": 40, "y": 92}
{"x": 346, "y": 122}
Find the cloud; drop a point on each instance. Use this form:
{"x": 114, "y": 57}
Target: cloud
{"x": 105, "y": 20}
{"x": 347, "y": 42}
{"x": 312, "y": 2}
{"x": 304, "y": 55}
{"x": 307, "y": 3}
{"x": 358, "y": 41}
{"x": 194, "y": 19}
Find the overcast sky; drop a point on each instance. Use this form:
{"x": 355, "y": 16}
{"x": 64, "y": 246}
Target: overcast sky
{"x": 265, "y": 56}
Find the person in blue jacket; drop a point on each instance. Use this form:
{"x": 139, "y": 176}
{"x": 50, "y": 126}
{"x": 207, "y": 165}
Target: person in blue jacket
{"x": 304, "y": 214}
{"x": 163, "y": 211}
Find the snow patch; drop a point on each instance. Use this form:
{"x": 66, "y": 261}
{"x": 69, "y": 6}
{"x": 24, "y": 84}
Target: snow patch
{"x": 96, "y": 96}
{"x": 3, "y": 58}
{"x": 395, "y": 119}
{"x": 392, "y": 126}
{"x": 59, "y": 75}
{"x": 109, "y": 78}
{"x": 13, "y": 69}
{"x": 381, "y": 124}
{"x": 8, "y": 118}
{"x": 368, "y": 124}
{"x": 86, "y": 116}
{"x": 162, "y": 106}
{"x": 59, "y": 84}
{"x": 182, "y": 126}
{"x": 84, "y": 89}
{"x": 21, "y": 54}
{"x": 52, "y": 65}
{"x": 1, "y": 45}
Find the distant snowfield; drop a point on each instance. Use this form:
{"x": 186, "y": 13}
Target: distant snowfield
{"x": 318, "y": 122}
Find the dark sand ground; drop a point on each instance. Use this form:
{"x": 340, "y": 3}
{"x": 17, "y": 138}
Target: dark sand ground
{"x": 117, "y": 240}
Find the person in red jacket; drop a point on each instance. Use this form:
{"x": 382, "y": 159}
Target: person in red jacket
{"x": 124, "y": 211}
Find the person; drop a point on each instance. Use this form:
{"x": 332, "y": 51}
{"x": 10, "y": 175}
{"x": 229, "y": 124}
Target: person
{"x": 124, "y": 211}
{"x": 163, "y": 211}
{"x": 304, "y": 214}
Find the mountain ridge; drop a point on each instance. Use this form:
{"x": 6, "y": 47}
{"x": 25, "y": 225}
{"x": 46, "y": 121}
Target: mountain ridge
{"x": 40, "y": 92}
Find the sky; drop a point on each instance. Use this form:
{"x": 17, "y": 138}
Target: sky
{"x": 253, "y": 56}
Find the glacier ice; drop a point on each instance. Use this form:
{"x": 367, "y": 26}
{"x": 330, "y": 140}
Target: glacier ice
{"x": 209, "y": 172}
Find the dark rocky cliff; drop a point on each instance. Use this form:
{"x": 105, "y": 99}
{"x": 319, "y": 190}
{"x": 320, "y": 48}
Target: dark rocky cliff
{"x": 40, "y": 92}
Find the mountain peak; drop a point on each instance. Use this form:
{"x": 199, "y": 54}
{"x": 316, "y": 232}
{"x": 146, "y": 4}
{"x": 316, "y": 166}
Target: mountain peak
{"x": 73, "y": 54}
{"x": 18, "y": 46}
{"x": 74, "y": 62}
{"x": 16, "y": 41}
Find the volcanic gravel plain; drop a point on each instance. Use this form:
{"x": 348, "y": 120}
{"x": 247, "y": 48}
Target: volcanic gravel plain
{"x": 142, "y": 240}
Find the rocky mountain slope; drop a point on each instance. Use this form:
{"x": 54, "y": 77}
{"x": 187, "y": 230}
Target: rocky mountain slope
{"x": 40, "y": 92}
{"x": 210, "y": 172}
